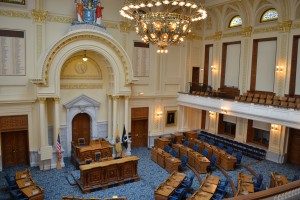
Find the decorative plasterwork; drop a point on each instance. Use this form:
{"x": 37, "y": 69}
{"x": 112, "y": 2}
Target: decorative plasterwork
{"x": 247, "y": 31}
{"x": 266, "y": 29}
{"x": 232, "y": 34}
{"x": 13, "y": 13}
{"x": 126, "y": 26}
{"x": 269, "y": 114}
{"x": 81, "y": 86}
{"x": 39, "y": 16}
{"x": 285, "y": 26}
{"x": 84, "y": 35}
{"x": 194, "y": 36}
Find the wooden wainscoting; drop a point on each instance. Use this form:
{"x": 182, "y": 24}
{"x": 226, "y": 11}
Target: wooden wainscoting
{"x": 139, "y": 126}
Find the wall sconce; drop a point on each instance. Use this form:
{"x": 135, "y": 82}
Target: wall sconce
{"x": 201, "y": 69}
{"x": 84, "y": 58}
{"x": 279, "y": 69}
{"x": 140, "y": 93}
{"x": 211, "y": 113}
{"x": 223, "y": 110}
{"x": 213, "y": 68}
{"x": 274, "y": 127}
{"x": 159, "y": 114}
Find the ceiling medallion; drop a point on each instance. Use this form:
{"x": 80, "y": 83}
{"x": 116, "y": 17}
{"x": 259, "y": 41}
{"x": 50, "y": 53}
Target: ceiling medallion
{"x": 163, "y": 22}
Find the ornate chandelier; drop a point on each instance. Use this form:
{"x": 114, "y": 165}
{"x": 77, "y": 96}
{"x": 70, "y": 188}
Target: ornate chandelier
{"x": 163, "y": 22}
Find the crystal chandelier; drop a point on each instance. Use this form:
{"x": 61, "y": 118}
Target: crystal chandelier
{"x": 163, "y": 22}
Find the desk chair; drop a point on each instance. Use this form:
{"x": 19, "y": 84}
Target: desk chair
{"x": 205, "y": 153}
{"x": 229, "y": 150}
{"x": 97, "y": 156}
{"x": 167, "y": 149}
{"x": 258, "y": 186}
{"x": 184, "y": 161}
{"x": 239, "y": 156}
{"x": 213, "y": 162}
{"x": 196, "y": 147}
{"x": 174, "y": 153}
{"x": 81, "y": 141}
{"x": 186, "y": 143}
{"x": 296, "y": 177}
{"x": 88, "y": 161}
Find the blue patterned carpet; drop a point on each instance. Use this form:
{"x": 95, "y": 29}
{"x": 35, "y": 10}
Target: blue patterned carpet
{"x": 56, "y": 185}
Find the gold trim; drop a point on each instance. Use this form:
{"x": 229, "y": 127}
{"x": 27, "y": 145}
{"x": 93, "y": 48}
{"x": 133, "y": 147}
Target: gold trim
{"x": 266, "y": 29}
{"x": 126, "y": 26}
{"x": 60, "y": 19}
{"x": 194, "y": 36}
{"x": 232, "y": 34}
{"x": 247, "y": 31}
{"x": 39, "y": 16}
{"x": 13, "y": 13}
{"x": 285, "y": 26}
{"x": 81, "y": 86}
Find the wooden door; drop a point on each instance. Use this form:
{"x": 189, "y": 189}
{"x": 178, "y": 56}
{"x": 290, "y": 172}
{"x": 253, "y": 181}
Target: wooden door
{"x": 81, "y": 128}
{"x": 195, "y": 74}
{"x": 139, "y": 127}
{"x": 294, "y": 147}
{"x": 15, "y": 148}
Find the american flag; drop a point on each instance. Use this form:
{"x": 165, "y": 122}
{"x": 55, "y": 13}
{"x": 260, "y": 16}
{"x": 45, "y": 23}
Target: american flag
{"x": 58, "y": 147}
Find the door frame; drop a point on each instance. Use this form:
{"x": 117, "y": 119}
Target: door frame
{"x": 140, "y": 118}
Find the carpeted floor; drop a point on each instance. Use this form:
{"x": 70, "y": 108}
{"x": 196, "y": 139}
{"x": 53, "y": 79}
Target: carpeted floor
{"x": 56, "y": 184}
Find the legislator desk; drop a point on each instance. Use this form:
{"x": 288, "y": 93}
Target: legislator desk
{"x": 245, "y": 184}
{"x": 277, "y": 180}
{"x": 206, "y": 189}
{"x": 25, "y": 182}
{"x": 98, "y": 150}
{"x": 201, "y": 163}
{"x": 154, "y": 151}
{"x": 101, "y": 174}
{"x": 166, "y": 189}
{"x": 172, "y": 164}
{"x": 33, "y": 192}
{"x": 161, "y": 157}
{"x": 177, "y": 137}
{"x": 22, "y": 174}
{"x": 161, "y": 142}
{"x": 190, "y": 134}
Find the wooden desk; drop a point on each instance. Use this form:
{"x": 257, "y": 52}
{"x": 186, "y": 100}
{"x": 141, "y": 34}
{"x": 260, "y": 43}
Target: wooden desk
{"x": 80, "y": 154}
{"x": 177, "y": 137}
{"x": 209, "y": 187}
{"x": 277, "y": 180}
{"x": 154, "y": 154}
{"x": 172, "y": 164}
{"x": 165, "y": 189}
{"x": 102, "y": 174}
{"x": 33, "y": 193}
{"x": 23, "y": 183}
{"x": 161, "y": 157}
{"x": 245, "y": 184}
{"x": 22, "y": 174}
{"x": 213, "y": 179}
{"x": 191, "y": 134}
{"x": 201, "y": 195}
{"x": 161, "y": 142}
{"x": 201, "y": 164}
{"x": 228, "y": 162}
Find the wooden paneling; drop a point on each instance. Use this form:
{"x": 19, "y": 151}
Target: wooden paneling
{"x": 106, "y": 173}
{"x": 81, "y": 128}
{"x": 254, "y": 60}
{"x": 221, "y": 126}
{"x": 13, "y": 123}
{"x": 250, "y": 131}
{"x": 203, "y": 119}
{"x": 294, "y": 65}
{"x": 206, "y": 63}
{"x": 14, "y": 148}
{"x": 294, "y": 147}
{"x": 195, "y": 74}
{"x": 139, "y": 113}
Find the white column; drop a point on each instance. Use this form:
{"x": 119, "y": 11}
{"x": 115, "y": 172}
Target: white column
{"x": 43, "y": 125}
{"x": 109, "y": 130}
{"x": 126, "y": 117}
{"x": 56, "y": 126}
{"x": 115, "y": 113}
{"x": 126, "y": 114}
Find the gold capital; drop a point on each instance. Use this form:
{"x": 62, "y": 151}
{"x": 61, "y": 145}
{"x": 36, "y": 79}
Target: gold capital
{"x": 125, "y": 26}
{"x": 247, "y": 31}
{"x": 285, "y": 26}
{"x": 218, "y": 35}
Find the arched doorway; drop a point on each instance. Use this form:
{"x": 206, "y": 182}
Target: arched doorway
{"x": 81, "y": 128}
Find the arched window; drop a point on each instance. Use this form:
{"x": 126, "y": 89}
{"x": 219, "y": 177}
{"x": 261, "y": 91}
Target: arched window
{"x": 235, "y": 21}
{"x": 269, "y": 15}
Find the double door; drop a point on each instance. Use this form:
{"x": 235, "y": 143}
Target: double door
{"x": 14, "y": 147}
{"x": 139, "y": 126}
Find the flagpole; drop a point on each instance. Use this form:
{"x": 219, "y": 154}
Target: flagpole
{"x": 58, "y": 162}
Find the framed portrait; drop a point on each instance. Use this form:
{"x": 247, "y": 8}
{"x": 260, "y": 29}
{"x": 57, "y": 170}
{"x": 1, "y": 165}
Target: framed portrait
{"x": 22, "y": 2}
{"x": 171, "y": 118}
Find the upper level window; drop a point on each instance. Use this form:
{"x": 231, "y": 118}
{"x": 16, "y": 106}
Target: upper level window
{"x": 269, "y": 15}
{"x": 235, "y": 21}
